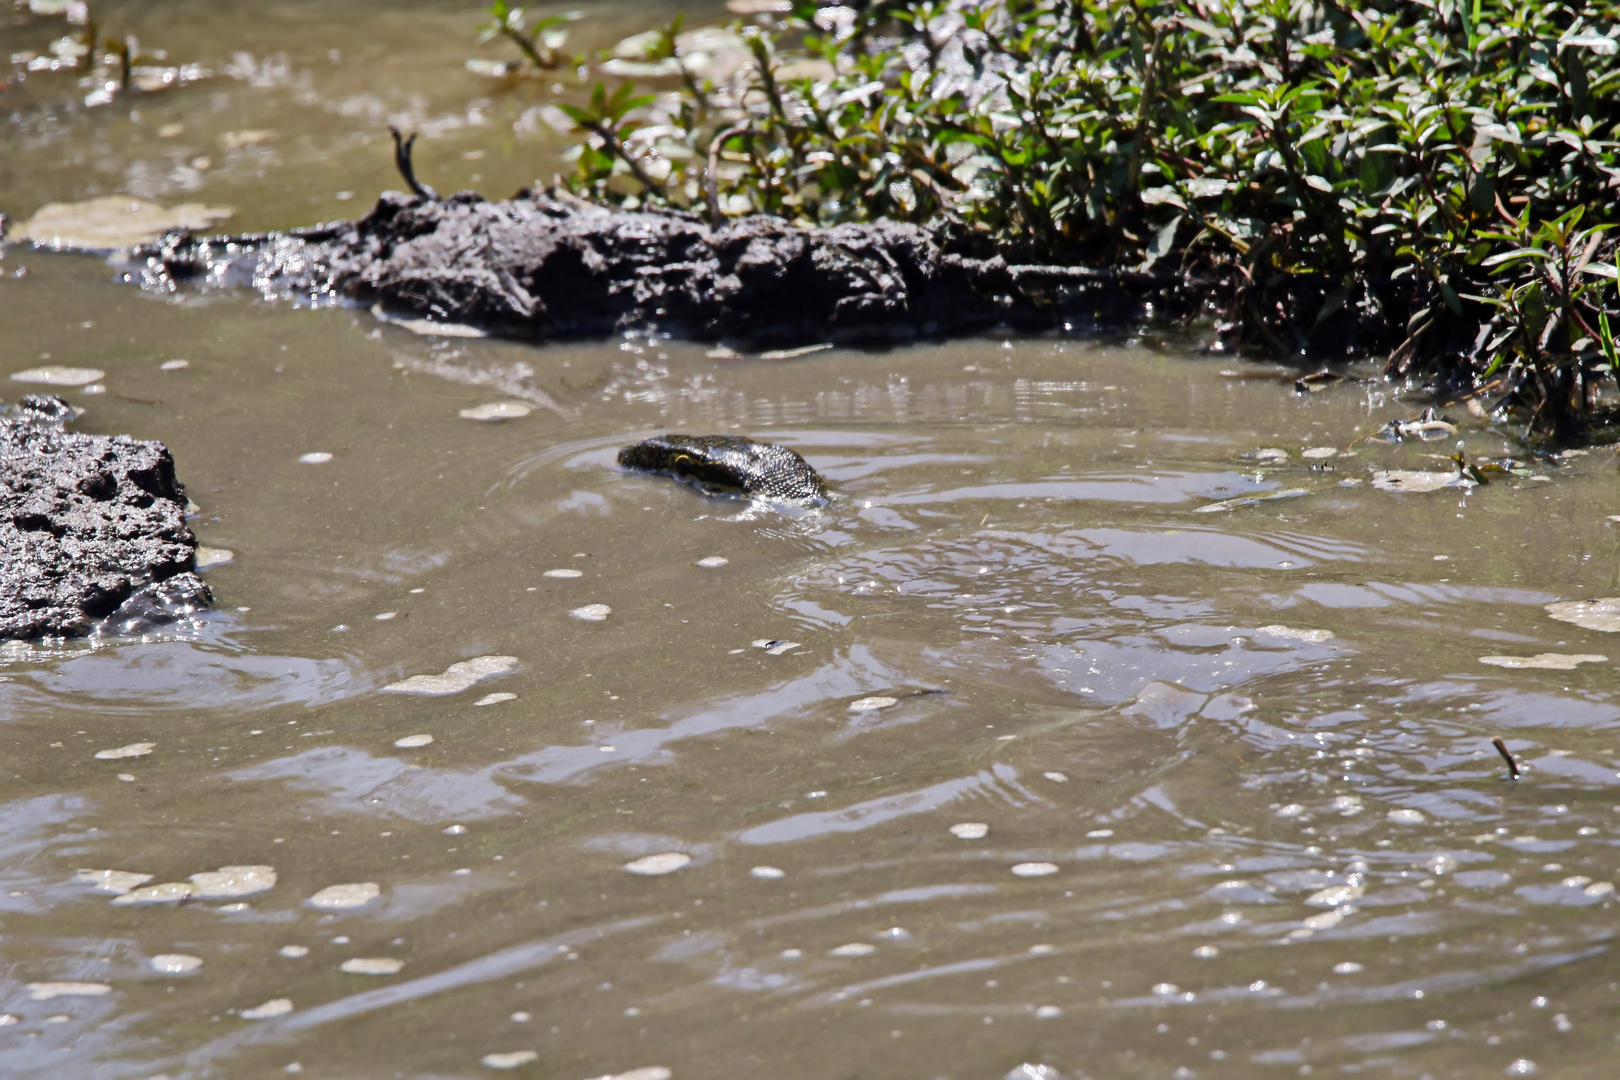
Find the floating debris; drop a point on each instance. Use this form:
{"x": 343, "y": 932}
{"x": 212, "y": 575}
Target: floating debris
{"x": 775, "y": 646}
{"x": 563, "y": 573}
{"x": 1427, "y": 426}
{"x": 1268, "y": 453}
{"x": 1034, "y": 869}
{"x": 1601, "y": 614}
{"x": 112, "y": 222}
{"x": 374, "y": 965}
{"x": 1418, "y": 482}
{"x": 1100, "y": 834}
{"x": 495, "y": 699}
{"x": 170, "y": 892}
{"x": 666, "y": 862}
{"x": 1335, "y": 896}
{"x": 1251, "y": 500}
{"x": 411, "y": 742}
{"x": 210, "y": 557}
{"x": 1507, "y": 756}
{"x": 970, "y": 830}
{"x": 232, "y": 881}
{"x": 175, "y": 963}
{"x": 342, "y": 897}
{"x": 1310, "y": 637}
{"x": 498, "y": 410}
{"x": 769, "y": 873}
{"x": 1315, "y": 382}
{"x": 456, "y": 678}
{"x": 793, "y": 354}
{"x": 1348, "y": 967}
{"x": 45, "y": 991}
{"x": 1548, "y": 661}
{"x": 1048, "y": 1012}
{"x": 854, "y": 948}
{"x": 592, "y": 612}
{"x": 509, "y": 1060}
{"x": 174, "y": 365}
{"x": 1056, "y": 777}
{"x": 293, "y": 952}
{"x": 867, "y": 704}
{"x": 1406, "y": 817}
{"x": 136, "y": 749}
{"x": 713, "y": 562}
{"x": 57, "y": 375}
{"x": 113, "y": 881}
{"x": 273, "y": 1007}
{"x": 316, "y": 457}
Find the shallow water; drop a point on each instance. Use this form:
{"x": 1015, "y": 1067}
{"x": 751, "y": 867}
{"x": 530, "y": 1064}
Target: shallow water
{"x": 1241, "y": 815}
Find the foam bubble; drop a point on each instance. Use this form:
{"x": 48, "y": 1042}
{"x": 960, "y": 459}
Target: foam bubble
{"x": 293, "y": 952}
{"x": 1546, "y": 661}
{"x": 592, "y": 612}
{"x": 855, "y": 948}
{"x": 113, "y": 881}
{"x": 1206, "y": 952}
{"x": 1601, "y": 614}
{"x": 713, "y": 562}
{"x": 58, "y": 375}
{"x": 175, "y": 963}
{"x": 340, "y": 897}
{"x": 273, "y": 1007}
{"x": 1334, "y": 896}
{"x": 509, "y": 1060}
{"x": 498, "y": 410}
{"x": 1048, "y": 1012}
{"x": 455, "y": 678}
{"x": 1034, "y": 869}
{"x": 1406, "y": 817}
{"x": 563, "y": 572}
{"x": 174, "y": 365}
{"x": 316, "y": 457}
{"x": 411, "y": 742}
{"x": 1310, "y": 637}
{"x": 665, "y": 862}
{"x": 233, "y": 881}
{"x": 45, "y": 991}
{"x": 372, "y": 965}
{"x": 170, "y": 892}
{"x": 1348, "y": 967}
{"x": 769, "y": 873}
{"x": 136, "y": 749}
{"x": 970, "y": 830}
{"x": 866, "y": 704}
{"x": 648, "y": 1072}
{"x": 495, "y": 699}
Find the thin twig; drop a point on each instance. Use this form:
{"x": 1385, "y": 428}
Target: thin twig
{"x": 1507, "y": 756}
{"x": 711, "y": 182}
{"x": 402, "y": 162}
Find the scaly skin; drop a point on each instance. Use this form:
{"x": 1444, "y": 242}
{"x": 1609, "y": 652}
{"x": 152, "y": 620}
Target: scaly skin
{"x": 728, "y": 465}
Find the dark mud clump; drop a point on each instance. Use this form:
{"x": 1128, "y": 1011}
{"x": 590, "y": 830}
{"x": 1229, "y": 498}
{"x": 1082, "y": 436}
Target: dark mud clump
{"x": 544, "y": 266}
{"x": 728, "y": 465}
{"x": 93, "y": 535}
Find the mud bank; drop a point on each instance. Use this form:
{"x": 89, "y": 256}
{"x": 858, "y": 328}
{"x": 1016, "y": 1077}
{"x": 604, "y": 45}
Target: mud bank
{"x": 93, "y": 537}
{"x": 543, "y": 266}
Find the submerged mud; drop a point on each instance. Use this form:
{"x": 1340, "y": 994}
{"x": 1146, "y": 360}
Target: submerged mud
{"x": 543, "y": 266}
{"x": 93, "y": 535}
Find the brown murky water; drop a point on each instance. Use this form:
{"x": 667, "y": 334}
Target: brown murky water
{"x": 1058, "y": 769}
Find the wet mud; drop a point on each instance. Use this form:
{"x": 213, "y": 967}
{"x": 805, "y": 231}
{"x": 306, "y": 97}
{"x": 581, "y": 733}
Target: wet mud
{"x": 93, "y": 534}
{"x": 545, "y": 266}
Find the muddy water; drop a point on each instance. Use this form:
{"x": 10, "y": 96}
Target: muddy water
{"x": 1018, "y": 753}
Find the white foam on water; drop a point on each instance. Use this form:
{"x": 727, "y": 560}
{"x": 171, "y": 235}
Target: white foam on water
{"x": 170, "y": 892}
{"x": 1034, "y": 869}
{"x": 769, "y": 873}
{"x": 563, "y": 572}
{"x": 1601, "y": 614}
{"x": 293, "y": 952}
{"x": 138, "y": 749}
{"x": 509, "y": 1060}
{"x": 713, "y": 562}
{"x": 45, "y": 991}
{"x": 1335, "y": 896}
{"x": 1318, "y": 453}
{"x": 273, "y": 1007}
{"x": 209, "y": 557}
{"x": 1056, "y": 777}
{"x": 1206, "y": 952}
{"x": 592, "y": 612}
{"x": 384, "y": 616}
{"x": 1048, "y": 1012}
{"x": 315, "y": 457}
{"x": 495, "y": 699}
{"x": 1348, "y": 967}
{"x": 175, "y": 963}
{"x": 342, "y": 897}
{"x": 854, "y": 948}
{"x": 1546, "y": 661}
{"x": 970, "y": 830}
{"x": 1100, "y": 834}
{"x": 233, "y": 881}
{"x": 411, "y": 742}
{"x": 455, "y": 678}
{"x": 174, "y": 365}
{"x": 372, "y": 965}
{"x": 1406, "y": 817}
{"x": 867, "y": 704}
{"x": 57, "y": 375}
{"x": 113, "y": 881}
{"x": 498, "y": 410}
{"x": 665, "y": 862}
{"x": 1311, "y": 637}
{"x": 646, "y": 1072}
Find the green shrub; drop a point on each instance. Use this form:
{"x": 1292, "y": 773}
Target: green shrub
{"x": 1431, "y": 183}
